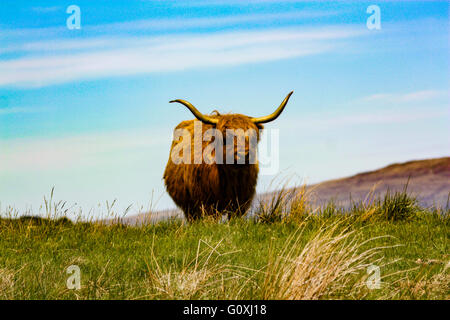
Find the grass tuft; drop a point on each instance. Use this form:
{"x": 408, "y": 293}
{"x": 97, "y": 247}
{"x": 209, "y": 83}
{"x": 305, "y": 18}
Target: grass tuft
{"x": 331, "y": 264}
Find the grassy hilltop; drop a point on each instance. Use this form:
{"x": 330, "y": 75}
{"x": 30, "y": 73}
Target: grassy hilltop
{"x": 289, "y": 252}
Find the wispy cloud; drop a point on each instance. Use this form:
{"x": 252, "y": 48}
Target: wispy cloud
{"x": 332, "y": 122}
{"x": 417, "y": 96}
{"x": 377, "y": 118}
{"x": 216, "y": 21}
{"x": 381, "y": 109}
{"x": 180, "y": 24}
{"x": 170, "y": 53}
{"x": 80, "y": 151}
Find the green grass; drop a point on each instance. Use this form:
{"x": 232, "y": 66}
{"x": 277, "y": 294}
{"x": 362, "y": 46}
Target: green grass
{"x": 278, "y": 257}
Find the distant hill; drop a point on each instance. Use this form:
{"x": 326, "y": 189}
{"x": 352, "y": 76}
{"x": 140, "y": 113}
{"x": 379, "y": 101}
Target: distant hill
{"x": 428, "y": 180}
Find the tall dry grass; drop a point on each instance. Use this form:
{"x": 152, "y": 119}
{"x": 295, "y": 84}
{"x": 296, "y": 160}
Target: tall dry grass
{"x": 331, "y": 263}
{"x": 6, "y": 283}
{"x": 201, "y": 278}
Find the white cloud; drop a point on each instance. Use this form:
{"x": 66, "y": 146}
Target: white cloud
{"x": 216, "y": 21}
{"x": 170, "y": 53}
{"x": 390, "y": 108}
{"x": 379, "y": 118}
{"x": 417, "y": 96}
{"x": 162, "y": 25}
{"x": 88, "y": 150}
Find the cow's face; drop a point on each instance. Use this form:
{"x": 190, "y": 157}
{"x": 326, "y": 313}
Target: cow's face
{"x": 240, "y": 136}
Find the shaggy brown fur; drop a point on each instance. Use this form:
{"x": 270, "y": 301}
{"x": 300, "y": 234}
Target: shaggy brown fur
{"x": 212, "y": 189}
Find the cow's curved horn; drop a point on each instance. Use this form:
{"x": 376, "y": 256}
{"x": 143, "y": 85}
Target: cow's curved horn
{"x": 200, "y": 116}
{"x": 274, "y": 115}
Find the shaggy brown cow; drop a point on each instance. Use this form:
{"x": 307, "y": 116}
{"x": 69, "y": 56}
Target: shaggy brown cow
{"x": 201, "y": 188}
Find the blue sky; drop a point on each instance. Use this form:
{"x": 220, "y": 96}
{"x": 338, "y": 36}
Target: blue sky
{"x": 87, "y": 110}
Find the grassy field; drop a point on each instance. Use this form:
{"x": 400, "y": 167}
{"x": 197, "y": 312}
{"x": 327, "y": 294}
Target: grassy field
{"x": 289, "y": 252}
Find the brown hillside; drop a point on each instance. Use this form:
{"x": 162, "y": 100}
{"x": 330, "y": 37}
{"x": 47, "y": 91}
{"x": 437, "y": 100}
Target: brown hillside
{"x": 429, "y": 180}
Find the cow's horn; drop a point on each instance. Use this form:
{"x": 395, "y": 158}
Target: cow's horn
{"x": 274, "y": 115}
{"x": 200, "y": 116}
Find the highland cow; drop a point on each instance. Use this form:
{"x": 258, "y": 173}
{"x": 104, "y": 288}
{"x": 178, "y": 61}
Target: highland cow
{"x": 202, "y": 186}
